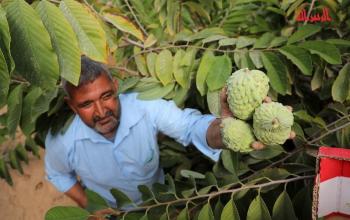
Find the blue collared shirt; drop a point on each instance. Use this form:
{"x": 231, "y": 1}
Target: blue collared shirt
{"x": 132, "y": 158}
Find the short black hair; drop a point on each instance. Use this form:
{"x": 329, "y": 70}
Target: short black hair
{"x": 90, "y": 70}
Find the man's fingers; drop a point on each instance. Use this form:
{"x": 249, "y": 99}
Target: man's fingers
{"x": 292, "y": 135}
{"x": 290, "y": 108}
{"x": 257, "y": 145}
{"x": 267, "y": 99}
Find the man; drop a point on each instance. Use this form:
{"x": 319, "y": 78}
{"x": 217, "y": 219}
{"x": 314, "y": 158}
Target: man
{"x": 112, "y": 141}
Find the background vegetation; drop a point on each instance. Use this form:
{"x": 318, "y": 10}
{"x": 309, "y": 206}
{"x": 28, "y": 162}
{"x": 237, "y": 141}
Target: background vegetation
{"x": 184, "y": 51}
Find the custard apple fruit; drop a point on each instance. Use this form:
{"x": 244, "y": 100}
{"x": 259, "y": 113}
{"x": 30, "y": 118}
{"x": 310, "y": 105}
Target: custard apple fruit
{"x": 236, "y": 134}
{"x": 272, "y": 123}
{"x": 246, "y": 89}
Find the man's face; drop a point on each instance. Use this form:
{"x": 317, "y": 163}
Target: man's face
{"x": 97, "y": 105}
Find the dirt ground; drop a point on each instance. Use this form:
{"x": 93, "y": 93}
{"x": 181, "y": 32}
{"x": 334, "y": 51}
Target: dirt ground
{"x": 31, "y": 195}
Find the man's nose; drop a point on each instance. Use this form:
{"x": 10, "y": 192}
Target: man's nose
{"x": 100, "y": 110}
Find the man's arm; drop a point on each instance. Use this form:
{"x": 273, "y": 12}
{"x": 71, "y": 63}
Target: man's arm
{"x": 77, "y": 194}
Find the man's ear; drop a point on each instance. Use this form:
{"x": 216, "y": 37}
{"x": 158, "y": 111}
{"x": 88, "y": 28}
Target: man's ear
{"x": 70, "y": 104}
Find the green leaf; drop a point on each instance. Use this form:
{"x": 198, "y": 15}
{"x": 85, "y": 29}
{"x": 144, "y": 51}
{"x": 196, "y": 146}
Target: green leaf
{"x": 227, "y": 42}
{"x": 264, "y": 40}
{"x": 183, "y": 214}
{"x": 213, "y": 100}
{"x": 121, "y": 198}
{"x": 181, "y": 95}
{"x": 151, "y": 63}
{"x": 317, "y": 78}
{"x": 283, "y": 208}
{"x": 30, "y": 145}
{"x": 242, "y": 60}
{"x": 146, "y": 193}
{"x": 325, "y": 50}
{"x": 258, "y": 210}
{"x": 14, "y": 103}
{"x": 206, "y": 213}
{"x": 230, "y": 160}
{"x": 35, "y": 59}
{"x": 156, "y": 92}
{"x": 302, "y": 202}
{"x": 207, "y": 32}
{"x": 278, "y": 41}
{"x": 150, "y": 41}
{"x": 193, "y": 174}
{"x": 218, "y": 209}
{"x": 230, "y": 211}
{"x": 199, "y": 9}
{"x": 213, "y": 38}
{"x": 5, "y": 40}
{"x": 244, "y": 42}
{"x": 4, "y": 172}
{"x": 339, "y": 42}
{"x": 128, "y": 83}
{"x": 255, "y": 56}
{"x": 22, "y": 153}
{"x": 180, "y": 73}
{"x": 164, "y": 67}
{"x": 35, "y": 105}
{"x": 219, "y": 71}
{"x": 341, "y": 85}
{"x": 68, "y": 213}
{"x": 173, "y": 13}
{"x": 4, "y": 80}
{"x": 14, "y": 161}
{"x": 91, "y": 36}
{"x": 303, "y": 32}
{"x": 59, "y": 29}
{"x": 140, "y": 61}
{"x": 203, "y": 70}
{"x": 123, "y": 24}
{"x": 27, "y": 120}
{"x": 276, "y": 71}
{"x": 95, "y": 201}
{"x": 300, "y": 57}
{"x": 267, "y": 153}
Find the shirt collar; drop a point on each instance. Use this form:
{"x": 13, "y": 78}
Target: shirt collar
{"x": 130, "y": 115}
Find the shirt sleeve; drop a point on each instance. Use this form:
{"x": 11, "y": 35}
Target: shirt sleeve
{"x": 185, "y": 126}
{"x": 57, "y": 166}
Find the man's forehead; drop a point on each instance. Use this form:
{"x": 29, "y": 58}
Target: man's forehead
{"x": 101, "y": 84}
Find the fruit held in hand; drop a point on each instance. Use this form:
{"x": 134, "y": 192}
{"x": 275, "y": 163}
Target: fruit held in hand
{"x": 246, "y": 89}
{"x": 237, "y": 135}
{"x": 272, "y": 123}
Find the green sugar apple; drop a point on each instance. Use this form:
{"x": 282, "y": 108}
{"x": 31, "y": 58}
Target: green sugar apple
{"x": 246, "y": 89}
{"x": 272, "y": 123}
{"x": 237, "y": 135}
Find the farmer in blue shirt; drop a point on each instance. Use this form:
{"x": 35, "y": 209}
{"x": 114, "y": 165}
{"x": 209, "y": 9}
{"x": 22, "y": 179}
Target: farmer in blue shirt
{"x": 112, "y": 141}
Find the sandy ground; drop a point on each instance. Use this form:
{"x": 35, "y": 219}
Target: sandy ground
{"x": 31, "y": 195}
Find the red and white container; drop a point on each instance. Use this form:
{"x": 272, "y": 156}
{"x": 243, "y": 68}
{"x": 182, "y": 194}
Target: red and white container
{"x": 332, "y": 187}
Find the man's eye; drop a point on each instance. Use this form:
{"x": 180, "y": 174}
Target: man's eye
{"x": 85, "y": 105}
{"x": 107, "y": 96}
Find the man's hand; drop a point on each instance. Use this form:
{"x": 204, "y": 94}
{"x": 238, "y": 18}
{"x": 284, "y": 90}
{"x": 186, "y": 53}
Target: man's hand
{"x": 78, "y": 195}
{"x": 225, "y": 110}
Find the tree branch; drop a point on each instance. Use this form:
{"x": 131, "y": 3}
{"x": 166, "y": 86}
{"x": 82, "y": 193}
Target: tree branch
{"x": 217, "y": 193}
{"x": 309, "y": 12}
{"x": 328, "y": 133}
{"x": 136, "y": 19}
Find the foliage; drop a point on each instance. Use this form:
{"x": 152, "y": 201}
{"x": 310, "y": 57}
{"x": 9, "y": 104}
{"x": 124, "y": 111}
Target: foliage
{"x": 184, "y": 51}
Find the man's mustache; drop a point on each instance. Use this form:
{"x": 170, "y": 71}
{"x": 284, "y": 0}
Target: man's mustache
{"x": 98, "y": 118}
